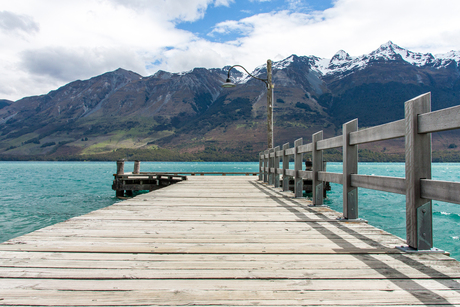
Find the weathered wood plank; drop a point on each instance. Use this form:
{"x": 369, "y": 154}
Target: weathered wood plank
{"x": 232, "y": 298}
{"x": 330, "y": 143}
{"x": 381, "y": 183}
{"x": 441, "y": 120}
{"x": 440, "y": 190}
{"x": 239, "y": 284}
{"x": 219, "y": 241}
{"x": 305, "y": 148}
{"x": 239, "y": 273}
{"x": 388, "y": 131}
{"x": 330, "y": 177}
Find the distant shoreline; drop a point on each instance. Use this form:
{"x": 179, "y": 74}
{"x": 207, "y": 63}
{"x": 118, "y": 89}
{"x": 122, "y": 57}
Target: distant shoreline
{"x": 166, "y": 155}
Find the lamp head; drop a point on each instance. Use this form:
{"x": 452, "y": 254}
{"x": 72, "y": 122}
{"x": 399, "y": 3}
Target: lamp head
{"x": 228, "y": 84}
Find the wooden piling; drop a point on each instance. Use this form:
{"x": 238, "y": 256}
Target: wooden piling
{"x": 137, "y": 167}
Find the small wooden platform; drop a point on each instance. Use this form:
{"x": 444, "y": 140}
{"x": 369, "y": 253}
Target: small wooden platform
{"x": 219, "y": 241}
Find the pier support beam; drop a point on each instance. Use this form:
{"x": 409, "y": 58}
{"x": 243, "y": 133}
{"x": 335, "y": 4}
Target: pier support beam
{"x": 277, "y": 166}
{"x": 266, "y": 166}
{"x": 271, "y": 165}
{"x": 350, "y": 166}
{"x": 285, "y": 167}
{"x": 419, "y": 228}
{"x": 261, "y": 165}
{"x": 137, "y": 167}
{"x": 120, "y": 171}
{"x": 317, "y": 166}
{"x": 120, "y": 167}
{"x": 298, "y": 159}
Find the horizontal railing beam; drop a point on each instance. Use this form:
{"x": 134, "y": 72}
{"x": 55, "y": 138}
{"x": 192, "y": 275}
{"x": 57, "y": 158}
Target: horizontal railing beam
{"x": 442, "y": 120}
{"x": 330, "y": 177}
{"x": 305, "y": 148}
{"x": 382, "y": 183}
{"x": 289, "y": 172}
{"x": 290, "y": 151}
{"x": 306, "y": 174}
{"x": 441, "y": 190}
{"x": 330, "y": 143}
{"x": 388, "y": 131}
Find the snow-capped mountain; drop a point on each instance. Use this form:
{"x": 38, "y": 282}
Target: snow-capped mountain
{"x": 343, "y": 64}
{"x": 186, "y": 110}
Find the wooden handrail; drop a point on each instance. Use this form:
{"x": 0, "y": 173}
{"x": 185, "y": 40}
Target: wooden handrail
{"x": 417, "y": 185}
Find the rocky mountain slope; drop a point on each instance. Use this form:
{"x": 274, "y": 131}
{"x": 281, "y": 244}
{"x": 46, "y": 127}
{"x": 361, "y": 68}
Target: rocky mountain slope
{"x": 190, "y": 112}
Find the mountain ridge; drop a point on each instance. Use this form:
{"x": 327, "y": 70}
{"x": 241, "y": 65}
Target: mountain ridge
{"x": 189, "y": 111}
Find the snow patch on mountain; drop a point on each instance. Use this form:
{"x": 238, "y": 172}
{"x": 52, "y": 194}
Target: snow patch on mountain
{"x": 342, "y": 63}
{"x": 283, "y": 63}
{"x": 445, "y": 59}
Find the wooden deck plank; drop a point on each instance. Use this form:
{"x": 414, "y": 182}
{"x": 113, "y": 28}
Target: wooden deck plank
{"x": 221, "y": 241}
{"x": 224, "y": 298}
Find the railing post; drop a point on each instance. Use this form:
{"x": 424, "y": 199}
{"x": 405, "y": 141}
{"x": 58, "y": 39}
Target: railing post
{"x": 350, "y": 166}
{"x": 265, "y": 166}
{"x": 277, "y": 166}
{"x": 271, "y": 164}
{"x": 285, "y": 167}
{"x": 419, "y": 229}
{"x": 137, "y": 167}
{"x": 261, "y": 165}
{"x": 298, "y": 157}
{"x": 317, "y": 166}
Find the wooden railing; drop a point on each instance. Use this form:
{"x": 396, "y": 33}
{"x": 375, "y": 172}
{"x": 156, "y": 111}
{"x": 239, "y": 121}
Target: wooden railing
{"x": 419, "y": 188}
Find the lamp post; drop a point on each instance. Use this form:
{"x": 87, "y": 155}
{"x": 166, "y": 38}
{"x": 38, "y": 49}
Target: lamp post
{"x": 269, "y": 84}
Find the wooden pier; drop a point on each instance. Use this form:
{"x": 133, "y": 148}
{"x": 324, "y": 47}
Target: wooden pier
{"x": 220, "y": 241}
{"x": 247, "y": 240}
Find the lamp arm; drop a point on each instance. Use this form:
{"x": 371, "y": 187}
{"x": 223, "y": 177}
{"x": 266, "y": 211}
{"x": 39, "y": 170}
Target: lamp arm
{"x": 263, "y": 80}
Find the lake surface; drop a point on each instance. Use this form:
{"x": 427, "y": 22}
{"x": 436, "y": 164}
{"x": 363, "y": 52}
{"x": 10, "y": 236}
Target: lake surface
{"x": 38, "y": 194}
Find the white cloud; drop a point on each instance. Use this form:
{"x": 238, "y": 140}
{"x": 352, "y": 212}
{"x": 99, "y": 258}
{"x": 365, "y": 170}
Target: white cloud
{"x": 357, "y": 26}
{"x": 11, "y": 22}
{"x": 223, "y": 2}
{"x": 65, "y": 64}
{"x": 48, "y": 43}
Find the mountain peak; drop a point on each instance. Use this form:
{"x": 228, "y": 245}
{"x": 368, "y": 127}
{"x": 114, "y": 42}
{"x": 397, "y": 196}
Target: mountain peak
{"x": 391, "y": 51}
{"x": 340, "y": 57}
{"x": 389, "y": 45}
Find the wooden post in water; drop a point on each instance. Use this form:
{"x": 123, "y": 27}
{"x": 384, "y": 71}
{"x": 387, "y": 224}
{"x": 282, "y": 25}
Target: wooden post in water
{"x": 137, "y": 167}
{"x": 120, "y": 167}
{"x": 277, "y": 166}
{"x": 298, "y": 159}
{"x": 317, "y": 166}
{"x": 285, "y": 167}
{"x": 120, "y": 171}
{"x": 350, "y": 166}
{"x": 419, "y": 229}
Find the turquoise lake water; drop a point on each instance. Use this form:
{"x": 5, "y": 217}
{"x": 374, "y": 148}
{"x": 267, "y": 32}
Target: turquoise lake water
{"x": 38, "y": 194}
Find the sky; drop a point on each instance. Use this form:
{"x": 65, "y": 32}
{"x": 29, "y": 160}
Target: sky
{"x": 48, "y": 43}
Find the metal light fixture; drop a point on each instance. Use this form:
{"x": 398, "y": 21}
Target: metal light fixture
{"x": 268, "y": 82}
{"x": 228, "y": 83}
